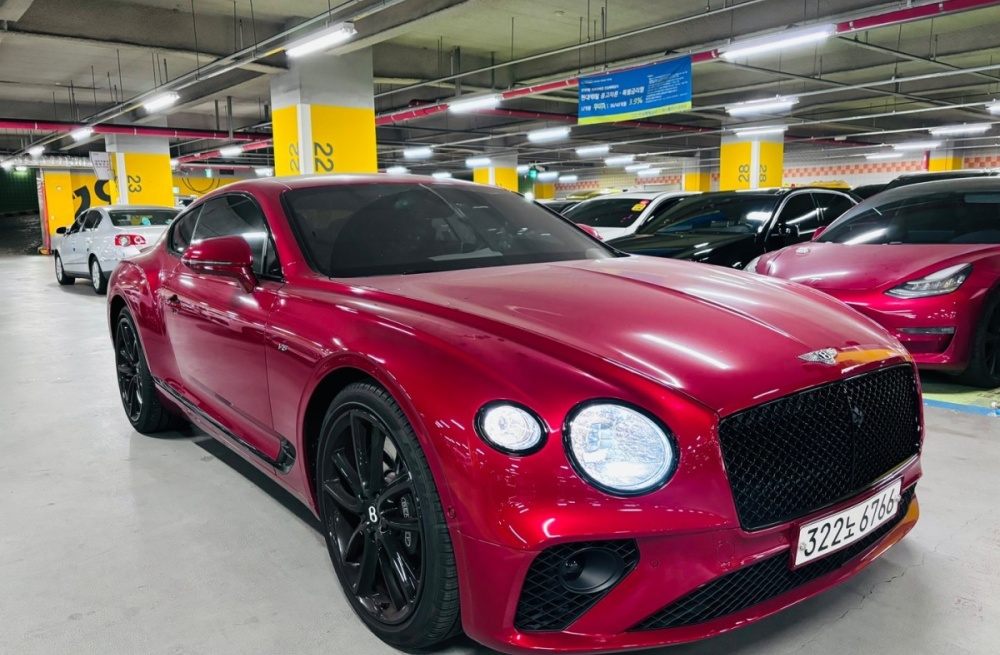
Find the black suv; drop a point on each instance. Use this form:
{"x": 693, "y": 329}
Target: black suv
{"x": 917, "y": 178}
{"x": 730, "y": 228}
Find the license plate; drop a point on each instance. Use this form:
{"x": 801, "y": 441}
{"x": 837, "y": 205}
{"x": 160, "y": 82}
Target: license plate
{"x": 837, "y": 531}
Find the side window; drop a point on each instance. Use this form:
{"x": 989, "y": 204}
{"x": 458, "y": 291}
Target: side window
{"x": 799, "y": 218}
{"x": 240, "y": 216}
{"x": 833, "y": 205}
{"x": 665, "y": 205}
{"x": 91, "y": 220}
{"x": 183, "y": 230}
{"x": 77, "y": 224}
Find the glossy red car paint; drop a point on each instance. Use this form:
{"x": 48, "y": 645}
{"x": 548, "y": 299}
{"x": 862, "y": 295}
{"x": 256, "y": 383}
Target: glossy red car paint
{"x": 686, "y": 342}
{"x": 860, "y": 275}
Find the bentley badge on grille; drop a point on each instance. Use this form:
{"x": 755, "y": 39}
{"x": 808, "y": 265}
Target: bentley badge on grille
{"x": 825, "y": 356}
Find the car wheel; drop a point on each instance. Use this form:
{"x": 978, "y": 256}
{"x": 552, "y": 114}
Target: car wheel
{"x": 61, "y": 276}
{"x": 984, "y": 363}
{"x": 97, "y": 279}
{"x": 142, "y": 405}
{"x": 383, "y": 521}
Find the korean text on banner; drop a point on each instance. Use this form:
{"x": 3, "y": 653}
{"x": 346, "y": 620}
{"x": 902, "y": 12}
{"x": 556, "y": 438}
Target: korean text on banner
{"x": 636, "y": 93}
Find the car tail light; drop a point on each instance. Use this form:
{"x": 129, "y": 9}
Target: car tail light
{"x": 130, "y": 240}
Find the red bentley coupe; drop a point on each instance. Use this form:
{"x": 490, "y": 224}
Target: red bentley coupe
{"x": 921, "y": 260}
{"x": 506, "y": 427}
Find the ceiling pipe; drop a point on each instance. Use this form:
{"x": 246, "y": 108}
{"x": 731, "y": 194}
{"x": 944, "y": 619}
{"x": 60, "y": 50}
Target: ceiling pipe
{"x": 211, "y": 154}
{"x": 895, "y": 17}
{"x": 63, "y": 127}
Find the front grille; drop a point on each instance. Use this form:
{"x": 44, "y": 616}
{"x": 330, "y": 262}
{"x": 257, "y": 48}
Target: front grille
{"x": 760, "y": 582}
{"x": 545, "y": 604}
{"x": 795, "y": 455}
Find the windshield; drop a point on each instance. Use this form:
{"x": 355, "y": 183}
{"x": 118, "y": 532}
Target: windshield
{"x": 736, "y": 213}
{"x": 935, "y": 218}
{"x": 144, "y": 218}
{"x": 608, "y": 212}
{"x": 392, "y": 229}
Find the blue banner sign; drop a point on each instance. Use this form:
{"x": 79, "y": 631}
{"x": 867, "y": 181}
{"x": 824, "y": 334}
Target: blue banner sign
{"x": 636, "y": 93}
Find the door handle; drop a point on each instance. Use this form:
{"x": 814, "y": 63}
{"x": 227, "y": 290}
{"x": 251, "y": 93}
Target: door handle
{"x": 174, "y": 302}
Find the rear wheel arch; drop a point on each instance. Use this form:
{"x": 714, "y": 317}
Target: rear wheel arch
{"x": 115, "y": 306}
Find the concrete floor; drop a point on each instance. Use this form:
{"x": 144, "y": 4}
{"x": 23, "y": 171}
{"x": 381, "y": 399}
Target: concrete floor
{"x": 111, "y": 542}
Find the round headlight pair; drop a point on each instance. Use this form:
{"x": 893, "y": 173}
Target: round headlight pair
{"x": 618, "y": 449}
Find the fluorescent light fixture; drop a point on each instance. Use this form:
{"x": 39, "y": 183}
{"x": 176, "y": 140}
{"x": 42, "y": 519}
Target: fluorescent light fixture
{"x": 264, "y": 171}
{"x": 775, "y": 42}
{"x": 593, "y": 151}
{"x": 466, "y": 105}
{"x": 957, "y": 130}
{"x": 397, "y": 170}
{"x": 82, "y": 133}
{"x": 619, "y": 160}
{"x": 441, "y": 175}
{"x": 7, "y": 165}
{"x": 917, "y": 145}
{"x": 878, "y": 156}
{"x": 321, "y": 40}
{"x": 548, "y": 176}
{"x": 767, "y": 130}
{"x": 650, "y": 172}
{"x": 36, "y": 151}
{"x": 423, "y": 152}
{"x": 550, "y": 134}
{"x": 174, "y": 163}
{"x": 208, "y": 172}
{"x": 993, "y": 107}
{"x": 568, "y": 179}
{"x": 634, "y": 168}
{"x": 20, "y": 169}
{"x": 161, "y": 101}
{"x": 765, "y": 106}
{"x": 478, "y": 162}
{"x": 231, "y": 151}
{"x": 522, "y": 169}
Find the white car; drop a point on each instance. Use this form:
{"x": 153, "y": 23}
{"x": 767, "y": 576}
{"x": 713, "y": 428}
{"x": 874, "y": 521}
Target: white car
{"x": 101, "y": 237}
{"x": 621, "y": 214}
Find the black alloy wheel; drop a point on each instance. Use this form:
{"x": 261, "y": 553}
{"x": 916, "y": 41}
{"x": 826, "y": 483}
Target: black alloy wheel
{"x": 383, "y": 521}
{"x": 142, "y": 405}
{"x": 984, "y": 363}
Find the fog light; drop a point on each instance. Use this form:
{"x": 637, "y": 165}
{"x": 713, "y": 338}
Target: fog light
{"x": 591, "y": 570}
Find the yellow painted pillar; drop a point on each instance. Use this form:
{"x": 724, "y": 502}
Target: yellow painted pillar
{"x": 323, "y": 119}
{"x": 694, "y": 178}
{"x": 944, "y": 159}
{"x": 142, "y": 170}
{"x": 545, "y": 190}
{"x": 65, "y": 194}
{"x": 500, "y": 172}
{"x": 751, "y": 163}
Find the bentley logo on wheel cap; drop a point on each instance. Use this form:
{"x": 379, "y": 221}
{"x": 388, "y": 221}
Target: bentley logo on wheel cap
{"x": 825, "y": 356}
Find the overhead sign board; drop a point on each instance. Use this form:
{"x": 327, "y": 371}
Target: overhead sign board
{"x": 636, "y": 93}
{"x": 101, "y": 161}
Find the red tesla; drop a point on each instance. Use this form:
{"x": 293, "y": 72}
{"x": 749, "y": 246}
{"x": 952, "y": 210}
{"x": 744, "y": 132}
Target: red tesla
{"x": 507, "y": 427}
{"x": 924, "y": 262}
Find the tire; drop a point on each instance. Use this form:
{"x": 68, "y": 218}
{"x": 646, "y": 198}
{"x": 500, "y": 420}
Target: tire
{"x": 140, "y": 401}
{"x": 98, "y": 282}
{"x": 984, "y": 362}
{"x": 364, "y": 524}
{"x": 61, "y": 276}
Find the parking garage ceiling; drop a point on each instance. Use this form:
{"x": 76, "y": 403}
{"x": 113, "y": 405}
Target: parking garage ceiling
{"x": 64, "y": 60}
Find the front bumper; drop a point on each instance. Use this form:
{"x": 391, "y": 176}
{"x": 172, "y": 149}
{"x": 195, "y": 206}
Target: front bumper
{"x": 669, "y": 569}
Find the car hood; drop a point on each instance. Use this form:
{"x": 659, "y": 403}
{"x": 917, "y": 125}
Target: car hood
{"x": 850, "y": 267}
{"x": 681, "y": 245}
{"x": 725, "y": 338}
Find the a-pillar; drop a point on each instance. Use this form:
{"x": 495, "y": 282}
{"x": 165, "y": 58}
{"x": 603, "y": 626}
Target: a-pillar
{"x": 501, "y": 172}
{"x": 944, "y": 159}
{"x": 142, "y": 170}
{"x": 323, "y": 116}
{"x": 751, "y": 162}
{"x": 696, "y": 179}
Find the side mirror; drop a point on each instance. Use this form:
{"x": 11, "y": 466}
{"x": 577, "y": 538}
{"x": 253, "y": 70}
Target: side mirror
{"x": 791, "y": 231}
{"x": 820, "y": 230}
{"x": 225, "y": 256}
{"x": 591, "y": 231}
{"x": 60, "y": 230}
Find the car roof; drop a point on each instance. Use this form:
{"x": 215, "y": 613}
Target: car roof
{"x": 982, "y": 184}
{"x": 133, "y": 208}
{"x": 640, "y": 195}
{"x": 949, "y": 175}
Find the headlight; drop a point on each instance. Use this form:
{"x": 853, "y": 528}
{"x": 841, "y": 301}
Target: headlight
{"x": 618, "y": 449}
{"x": 935, "y": 284}
{"x": 510, "y": 428}
{"x": 752, "y": 265}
